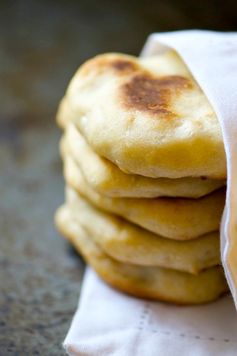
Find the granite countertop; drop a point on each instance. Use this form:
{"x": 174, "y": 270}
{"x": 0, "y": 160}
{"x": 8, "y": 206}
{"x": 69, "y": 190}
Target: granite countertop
{"x": 41, "y": 45}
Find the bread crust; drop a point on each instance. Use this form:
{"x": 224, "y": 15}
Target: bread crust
{"x": 145, "y": 282}
{"x": 106, "y": 178}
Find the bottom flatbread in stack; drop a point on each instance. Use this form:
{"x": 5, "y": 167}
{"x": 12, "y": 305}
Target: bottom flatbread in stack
{"x": 142, "y": 281}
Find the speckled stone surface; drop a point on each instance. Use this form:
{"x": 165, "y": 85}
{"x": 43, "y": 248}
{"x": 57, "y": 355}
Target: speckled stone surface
{"x": 41, "y": 45}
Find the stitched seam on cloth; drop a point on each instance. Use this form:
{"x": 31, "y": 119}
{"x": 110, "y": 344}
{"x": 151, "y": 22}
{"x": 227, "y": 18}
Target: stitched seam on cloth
{"x": 143, "y": 316}
{"x": 168, "y": 333}
{"x": 183, "y": 335}
{"x": 140, "y": 327}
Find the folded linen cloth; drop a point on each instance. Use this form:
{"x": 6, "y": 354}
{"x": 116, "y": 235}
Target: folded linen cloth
{"x": 109, "y": 323}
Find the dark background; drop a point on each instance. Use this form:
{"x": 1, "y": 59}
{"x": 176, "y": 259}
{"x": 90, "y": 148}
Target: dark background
{"x": 41, "y": 45}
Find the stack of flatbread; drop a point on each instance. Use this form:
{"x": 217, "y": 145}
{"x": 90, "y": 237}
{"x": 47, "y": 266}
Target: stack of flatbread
{"x": 145, "y": 172}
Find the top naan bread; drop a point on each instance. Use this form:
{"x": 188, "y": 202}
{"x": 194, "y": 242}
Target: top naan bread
{"x": 148, "y": 116}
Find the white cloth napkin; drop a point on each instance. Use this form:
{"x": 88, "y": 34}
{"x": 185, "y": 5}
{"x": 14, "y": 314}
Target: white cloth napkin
{"x": 109, "y": 323}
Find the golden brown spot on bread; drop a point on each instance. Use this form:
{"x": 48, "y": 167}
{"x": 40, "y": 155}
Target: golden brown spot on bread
{"x": 109, "y": 62}
{"x": 123, "y": 65}
{"x": 153, "y": 95}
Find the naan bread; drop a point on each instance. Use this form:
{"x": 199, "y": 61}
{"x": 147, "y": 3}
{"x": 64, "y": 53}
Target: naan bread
{"x": 106, "y": 178}
{"x": 174, "y": 218}
{"x": 147, "y": 282}
{"x": 129, "y": 243}
{"x": 147, "y": 116}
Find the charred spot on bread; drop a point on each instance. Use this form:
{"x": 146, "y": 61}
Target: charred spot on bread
{"x": 153, "y": 95}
